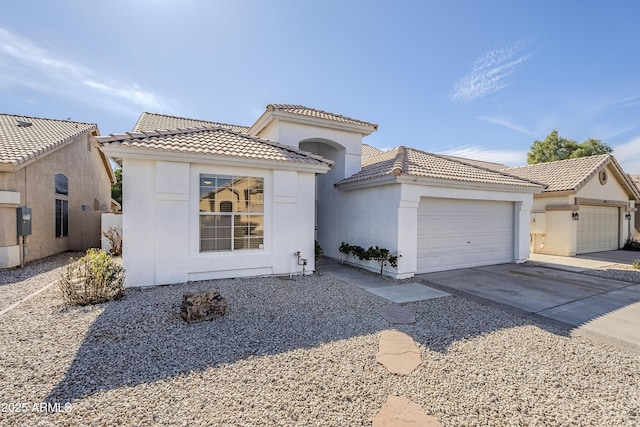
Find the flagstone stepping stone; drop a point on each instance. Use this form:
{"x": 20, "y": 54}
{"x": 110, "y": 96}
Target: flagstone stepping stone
{"x": 398, "y": 314}
{"x": 397, "y": 352}
{"x": 401, "y": 412}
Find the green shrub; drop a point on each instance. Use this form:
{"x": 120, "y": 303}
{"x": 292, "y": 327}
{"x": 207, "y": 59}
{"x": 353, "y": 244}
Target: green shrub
{"x": 382, "y": 256}
{"x": 636, "y": 264}
{"x": 93, "y": 279}
{"x": 374, "y": 253}
{"x": 319, "y": 252}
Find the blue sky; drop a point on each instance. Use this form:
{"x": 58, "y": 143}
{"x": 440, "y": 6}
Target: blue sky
{"x": 481, "y": 79}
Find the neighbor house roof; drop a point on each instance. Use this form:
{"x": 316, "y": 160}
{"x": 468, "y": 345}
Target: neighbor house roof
{"x": 573, "y": 174}
{"x": 304, "y": 114}
{"x": 24, "y": 139}
{"x": 368, "y": 151}
{"x": 403, "y": 161}
{"x": 483, "y": 163}
{"x": 213, "y": 142}
{"x": 154, "y": 121}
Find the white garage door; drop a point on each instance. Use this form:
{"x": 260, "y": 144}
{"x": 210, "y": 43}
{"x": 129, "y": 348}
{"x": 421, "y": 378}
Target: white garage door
{"x": 597, "y": 229}
{"x": 456, "y": 233}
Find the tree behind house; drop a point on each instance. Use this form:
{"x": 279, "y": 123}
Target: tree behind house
{"x": 555, "y": 147}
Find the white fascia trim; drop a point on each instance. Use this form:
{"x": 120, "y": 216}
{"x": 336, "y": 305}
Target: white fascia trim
{"x": 270, "y": 116}
{"x": 433, "y": 182}
{"x": 209, "y": 159}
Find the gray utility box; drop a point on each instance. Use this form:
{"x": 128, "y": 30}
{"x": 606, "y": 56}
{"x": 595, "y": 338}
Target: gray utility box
{"x": 24, "y": 220}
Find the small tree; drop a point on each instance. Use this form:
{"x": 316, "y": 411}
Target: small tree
{"x": 382, "y": 256}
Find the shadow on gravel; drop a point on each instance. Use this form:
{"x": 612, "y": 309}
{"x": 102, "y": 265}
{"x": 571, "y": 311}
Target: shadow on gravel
{"x": 37, "y": 267}
{"x": 141, "y": 339}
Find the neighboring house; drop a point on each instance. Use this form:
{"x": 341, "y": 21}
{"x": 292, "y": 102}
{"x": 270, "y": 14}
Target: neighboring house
{"x": 209, "y": 200}
{"x": 636, "y": 178}
{"x": 588, "y": 206}
{"x": 51, "y": 167}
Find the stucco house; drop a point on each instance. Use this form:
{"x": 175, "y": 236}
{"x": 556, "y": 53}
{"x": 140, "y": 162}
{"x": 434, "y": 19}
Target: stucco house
{"x": 51, "y": 167}
{"x": 211, "y": 200}
{"x": 589, "y": 205}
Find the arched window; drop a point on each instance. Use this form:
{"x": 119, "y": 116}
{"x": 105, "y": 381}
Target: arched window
{"x": 62, "y": 184}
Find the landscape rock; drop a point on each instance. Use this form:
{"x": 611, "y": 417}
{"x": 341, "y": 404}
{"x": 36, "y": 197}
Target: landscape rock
{"x": 199, "y": 306}
{"x": 397, "y": 352}
{"x": 398, "y": 314}
{"x": 401, "y": 412}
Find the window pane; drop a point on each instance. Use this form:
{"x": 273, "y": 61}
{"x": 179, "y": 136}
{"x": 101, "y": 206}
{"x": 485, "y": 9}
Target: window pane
{"x": 215, "y": 233}
{"x": 61, "y": 183}
{"x": 62, "y": 218}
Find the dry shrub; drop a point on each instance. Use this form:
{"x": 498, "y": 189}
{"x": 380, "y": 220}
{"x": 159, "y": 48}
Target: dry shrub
{"x": 114, "y": 236}
{"x": 93, "y": 279}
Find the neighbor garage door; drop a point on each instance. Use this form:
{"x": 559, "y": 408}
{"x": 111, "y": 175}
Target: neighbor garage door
{"x": 456, "y": 233}
{"x": 597, "y": 229}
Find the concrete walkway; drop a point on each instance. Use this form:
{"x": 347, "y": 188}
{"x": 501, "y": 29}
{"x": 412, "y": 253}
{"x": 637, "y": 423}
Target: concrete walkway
{"x": 584, "y": 262}
{"x": 384, "y": 288}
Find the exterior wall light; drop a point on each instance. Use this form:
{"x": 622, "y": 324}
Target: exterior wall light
{"x": 628, "y": 216}
{"x": 575, "y": 215}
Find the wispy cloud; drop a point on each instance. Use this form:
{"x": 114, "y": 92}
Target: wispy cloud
{"x": 507, "y": 157}
{"x": 25, "y": 64}
{"x": 489, "y": 73}
{"x": 628, "y": 154}
{"x": 630, "y": 101}
{"x": 508, "y": 124}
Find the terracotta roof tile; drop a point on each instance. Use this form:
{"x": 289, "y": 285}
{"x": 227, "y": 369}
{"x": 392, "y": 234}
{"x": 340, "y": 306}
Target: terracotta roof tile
{"x": 563, "y": 175}
{"x": 408, "y": 161}
{"x": 301, "y": 110}
{"x": 368, "y": 150}
{"x": 211, "y": 140}
{"x": 155, "y": 121}
{"x": 23, "y": 138}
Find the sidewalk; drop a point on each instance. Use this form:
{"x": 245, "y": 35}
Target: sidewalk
{"x": 384, "y": 288}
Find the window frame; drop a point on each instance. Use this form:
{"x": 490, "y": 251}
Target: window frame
{"x": 231, "y": 213}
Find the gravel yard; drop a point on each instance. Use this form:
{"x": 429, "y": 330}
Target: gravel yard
{"x": 297, "y": 352}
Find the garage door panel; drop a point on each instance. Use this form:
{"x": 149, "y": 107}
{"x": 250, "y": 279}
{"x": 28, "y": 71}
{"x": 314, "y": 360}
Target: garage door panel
{"x": 463, "y": 233}
{"x": 598, "y": 229}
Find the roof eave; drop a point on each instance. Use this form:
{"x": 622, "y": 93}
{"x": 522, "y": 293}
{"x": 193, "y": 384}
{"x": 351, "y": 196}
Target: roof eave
{"x": 435, "y": 182}
{"x": 120, "y": 152}
{"x": 269, "y": 116}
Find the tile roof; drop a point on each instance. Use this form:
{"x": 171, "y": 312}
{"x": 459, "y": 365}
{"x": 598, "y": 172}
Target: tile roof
{"x": 217, "y": 141}
{"x": 155, "y": 121}
{"x": 301, "y": 110}
{"x": 564, "y": 175}
{"x": 24, "y": 138}
{"x": 635, "y": 177}
{"x": 483, "y": 163}
{"x": 368, "y": 150}
{"x": 408, "y": 161}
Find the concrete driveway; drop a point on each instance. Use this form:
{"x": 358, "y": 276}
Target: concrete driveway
{"x": 608, "y": 307}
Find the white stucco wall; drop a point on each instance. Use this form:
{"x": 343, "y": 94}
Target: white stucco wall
{"x": 293, "y": 133}
{"x": 161, "y": 224}
{"x": 387, "y": 216}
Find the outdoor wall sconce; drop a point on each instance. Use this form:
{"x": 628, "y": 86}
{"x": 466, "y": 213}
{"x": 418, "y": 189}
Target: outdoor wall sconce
{"x": 575, "y": 215}
{"x": 628, "y": 216}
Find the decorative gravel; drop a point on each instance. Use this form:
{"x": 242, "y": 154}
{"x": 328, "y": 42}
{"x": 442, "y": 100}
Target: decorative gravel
{"x": 17, "y": 283}
{"x": 299, "y": 353}
{"x": 622, "y": 272}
